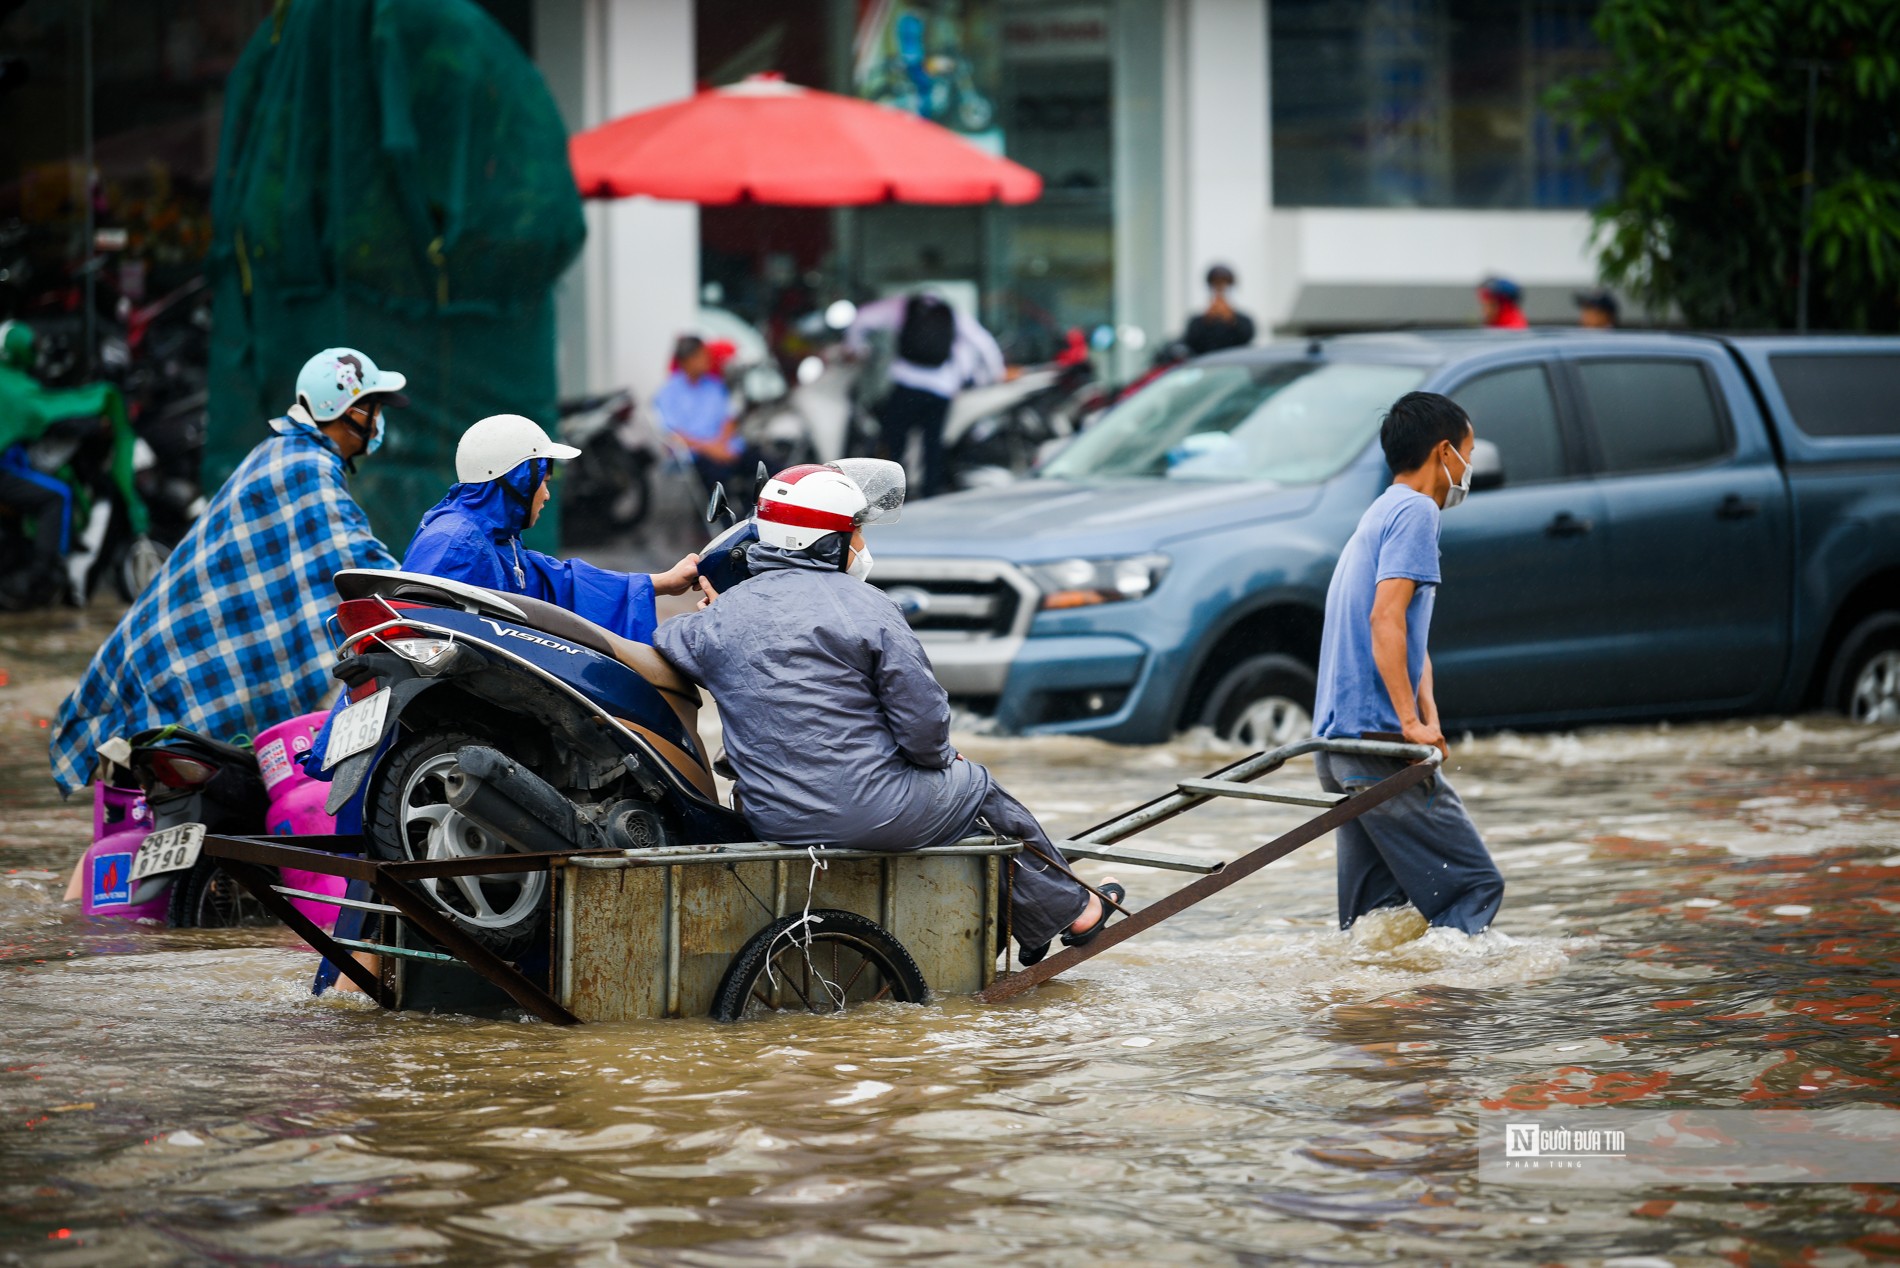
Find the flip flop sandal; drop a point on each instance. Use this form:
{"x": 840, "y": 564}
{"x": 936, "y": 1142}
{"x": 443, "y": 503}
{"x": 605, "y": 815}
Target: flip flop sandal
{"x": 1027, "y": 956}
{"x": 1114, "y": 891}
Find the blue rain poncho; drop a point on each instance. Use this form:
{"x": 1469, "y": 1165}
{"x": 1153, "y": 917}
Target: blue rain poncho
{"x": 473, "y": 535}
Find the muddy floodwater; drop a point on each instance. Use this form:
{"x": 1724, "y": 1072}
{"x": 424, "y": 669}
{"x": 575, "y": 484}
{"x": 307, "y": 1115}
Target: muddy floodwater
{"x": 1695, "y": 916}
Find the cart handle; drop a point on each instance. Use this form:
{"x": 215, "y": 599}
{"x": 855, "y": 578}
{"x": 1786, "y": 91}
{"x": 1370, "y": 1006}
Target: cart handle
{"x": 1247, "y": 769}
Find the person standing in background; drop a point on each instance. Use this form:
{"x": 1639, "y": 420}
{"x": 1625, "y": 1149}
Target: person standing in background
{"x": 1502, "y": 302}
{"x": 1221, "y": 325}
{"x": 1596, "y": 310}
{"x": 940, "y": 351}
{"x": 695, "y": 407}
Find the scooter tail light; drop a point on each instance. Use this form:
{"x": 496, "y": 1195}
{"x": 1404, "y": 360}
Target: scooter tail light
{"x": 357, "y": 615}
{"x": 175, "y": 771}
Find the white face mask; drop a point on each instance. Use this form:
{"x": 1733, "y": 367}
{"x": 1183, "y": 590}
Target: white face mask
{"x": 1460, "y": 488}
{"x": 860, "y": 564}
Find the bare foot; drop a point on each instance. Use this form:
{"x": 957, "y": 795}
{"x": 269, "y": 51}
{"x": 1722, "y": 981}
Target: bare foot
{"x": 1091, "y": 914}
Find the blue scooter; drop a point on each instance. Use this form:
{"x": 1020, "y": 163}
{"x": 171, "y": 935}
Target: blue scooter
{"x": 482, "y": 723}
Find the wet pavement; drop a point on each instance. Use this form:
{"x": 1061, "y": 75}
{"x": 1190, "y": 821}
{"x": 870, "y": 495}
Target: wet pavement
{"x": 1696, "y": 915}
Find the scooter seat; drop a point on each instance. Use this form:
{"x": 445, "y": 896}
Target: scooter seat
{"x": 638, "y": 657}
{"x": 361, "y": 583}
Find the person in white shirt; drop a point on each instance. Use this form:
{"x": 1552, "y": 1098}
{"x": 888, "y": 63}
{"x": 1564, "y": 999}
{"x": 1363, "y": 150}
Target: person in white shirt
{"x": 940, "y": 351}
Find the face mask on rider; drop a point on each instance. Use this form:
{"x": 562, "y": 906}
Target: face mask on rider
{"x": 860, "y": 563}
{"x": 1460, "y": 488}
{"x": 375, "y": 439}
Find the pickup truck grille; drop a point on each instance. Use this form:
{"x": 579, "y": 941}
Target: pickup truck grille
{"x": 952, "y": 606}
{"x": 970, "y": 613}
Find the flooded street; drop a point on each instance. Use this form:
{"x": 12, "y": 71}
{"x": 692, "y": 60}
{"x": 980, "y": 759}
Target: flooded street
{"x": 1696, "y": 915}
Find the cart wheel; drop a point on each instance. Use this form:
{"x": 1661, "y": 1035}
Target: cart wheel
{"x": 838, "y": 960}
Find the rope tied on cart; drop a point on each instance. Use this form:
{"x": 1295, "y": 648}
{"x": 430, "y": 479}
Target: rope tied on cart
{"x": 803, "y": 925}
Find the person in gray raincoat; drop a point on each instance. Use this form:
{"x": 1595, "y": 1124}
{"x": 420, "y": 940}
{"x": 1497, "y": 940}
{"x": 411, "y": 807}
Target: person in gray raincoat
{"x": 837, "y": 731}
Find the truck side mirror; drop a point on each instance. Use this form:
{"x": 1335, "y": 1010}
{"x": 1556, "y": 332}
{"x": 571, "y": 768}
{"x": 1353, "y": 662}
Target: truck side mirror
{"x": 1487, "y": 466}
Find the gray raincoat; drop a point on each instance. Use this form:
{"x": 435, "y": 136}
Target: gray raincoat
{"x": 837, "y": 730}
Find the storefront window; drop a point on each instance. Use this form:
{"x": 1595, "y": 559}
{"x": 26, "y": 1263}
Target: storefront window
{"x": 1025, "y": 79}
{"x": 150, "y": 80}
{"x": 1427, "y": 103}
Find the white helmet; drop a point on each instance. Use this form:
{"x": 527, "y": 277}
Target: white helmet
{"x": 498, "y": 444}
{"x": 803, "y": 504}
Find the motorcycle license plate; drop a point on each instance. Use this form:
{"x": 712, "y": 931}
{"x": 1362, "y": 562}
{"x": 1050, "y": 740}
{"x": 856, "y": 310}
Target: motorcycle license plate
{"x": 357, "y": 728}
{"x": 168, "y": 850}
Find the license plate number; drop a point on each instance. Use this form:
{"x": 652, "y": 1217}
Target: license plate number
{"x": 168, "y": 850}
{"x": 356, "y": 728}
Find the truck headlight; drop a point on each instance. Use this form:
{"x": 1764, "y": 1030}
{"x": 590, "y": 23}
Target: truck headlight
{"x": 1080, "y": 583}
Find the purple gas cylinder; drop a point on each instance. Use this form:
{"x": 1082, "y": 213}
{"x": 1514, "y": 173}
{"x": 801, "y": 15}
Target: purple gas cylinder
{"x": 296, "y": 806}
{"x": 120, "y": 821}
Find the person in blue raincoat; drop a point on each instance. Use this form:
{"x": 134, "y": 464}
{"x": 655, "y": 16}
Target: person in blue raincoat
{"x": 473, "y": 534}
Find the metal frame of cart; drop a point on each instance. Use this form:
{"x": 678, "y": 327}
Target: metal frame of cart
{"x": 647, "y": 933}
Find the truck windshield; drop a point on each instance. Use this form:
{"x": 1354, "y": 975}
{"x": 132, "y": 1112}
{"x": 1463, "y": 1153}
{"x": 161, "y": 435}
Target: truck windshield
{"x": 1288, "y": 422}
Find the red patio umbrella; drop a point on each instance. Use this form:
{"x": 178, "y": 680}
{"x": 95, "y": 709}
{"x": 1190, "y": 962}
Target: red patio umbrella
{"x": 766, "y": 141}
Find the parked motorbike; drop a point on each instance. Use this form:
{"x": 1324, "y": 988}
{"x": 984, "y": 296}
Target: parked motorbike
{"x": 997, "y": 434}
{"x": 608, "y": 490}
{"x": 482, "y": 724}
{"x": 103, "y": 548}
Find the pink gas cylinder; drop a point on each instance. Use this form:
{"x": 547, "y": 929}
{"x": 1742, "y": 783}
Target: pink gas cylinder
{"x": 120, "y": 821}
{"x": 296, "y": 806}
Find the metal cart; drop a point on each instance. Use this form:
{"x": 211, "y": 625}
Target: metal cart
{"x": 732, "y": 930}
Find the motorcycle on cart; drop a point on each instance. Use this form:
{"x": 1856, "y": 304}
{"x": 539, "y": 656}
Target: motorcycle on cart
{"x": 531, "y": 821}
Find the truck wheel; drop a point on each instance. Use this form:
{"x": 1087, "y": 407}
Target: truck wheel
{"x": 1263, "y": 702}
{"x": 838, "y": 960}
{"x": 408, "y": 816}
{"x": 1865, "y": 682}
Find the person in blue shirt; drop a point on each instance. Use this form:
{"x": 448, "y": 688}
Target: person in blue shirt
{"x": 695, "y": 407}
{"x": 473, "y": 534}
{"x": 1375, "y": 678}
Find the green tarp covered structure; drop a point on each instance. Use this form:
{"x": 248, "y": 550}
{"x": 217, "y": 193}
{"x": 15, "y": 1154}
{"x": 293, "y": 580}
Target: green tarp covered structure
{"x": 392, "y": 176}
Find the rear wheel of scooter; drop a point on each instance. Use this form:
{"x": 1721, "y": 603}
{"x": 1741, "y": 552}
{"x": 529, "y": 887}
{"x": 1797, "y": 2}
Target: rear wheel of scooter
{"x": 1263, "y": 702}
{"x": 836, "y": 961}
{"x": 208, "y": 897}
{"x": 408, "y": 817}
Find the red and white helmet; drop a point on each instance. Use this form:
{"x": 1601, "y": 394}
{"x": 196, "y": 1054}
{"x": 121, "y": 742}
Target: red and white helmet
{"x": 801, "y": 505}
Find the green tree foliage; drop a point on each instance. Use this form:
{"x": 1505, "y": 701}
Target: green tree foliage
{"x": 1702, "y": 111}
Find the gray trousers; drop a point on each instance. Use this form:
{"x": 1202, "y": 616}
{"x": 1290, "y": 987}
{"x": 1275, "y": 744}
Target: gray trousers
{"x": 1420, "y": 847}
{"x": 1045, "y": 897}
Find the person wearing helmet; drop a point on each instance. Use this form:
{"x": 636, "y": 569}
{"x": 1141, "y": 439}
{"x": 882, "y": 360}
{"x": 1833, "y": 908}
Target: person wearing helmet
{"x": 41, "y": 430}
{"x": 837, "y": 730}
{"x": 1502, "y": 302}
{"x": 228, "y": 638}
{"x": 473, "y": 534}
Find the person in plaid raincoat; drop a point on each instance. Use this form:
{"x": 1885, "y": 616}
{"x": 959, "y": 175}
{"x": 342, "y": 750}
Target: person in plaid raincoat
{"x": 229, "y": 637}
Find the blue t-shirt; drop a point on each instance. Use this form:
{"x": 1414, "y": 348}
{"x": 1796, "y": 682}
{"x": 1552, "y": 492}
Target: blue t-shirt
{"x": 694, "y": 410}
{"x": 1396, "y": 537}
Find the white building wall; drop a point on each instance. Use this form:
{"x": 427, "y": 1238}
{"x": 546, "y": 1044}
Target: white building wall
{"x": 1221, "y": 140}
{"x": 1358, "y": 266}
{"x": 635, "y": 287}
{"x": 1299, "y": 268}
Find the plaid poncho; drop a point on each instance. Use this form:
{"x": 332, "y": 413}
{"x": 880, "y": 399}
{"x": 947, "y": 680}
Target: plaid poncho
{"x": 229, "y": 638}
